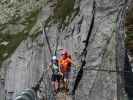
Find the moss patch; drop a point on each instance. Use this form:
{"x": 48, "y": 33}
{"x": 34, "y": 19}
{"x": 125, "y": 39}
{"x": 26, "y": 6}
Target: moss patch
{"x": 64, "y": 12}
{"x": 13, "y": 42}
{"x": 128, "y": 40}
{"x": 15, "y": 39}
{"x": 63, "y": 9}
{"x": 129, "y": 29}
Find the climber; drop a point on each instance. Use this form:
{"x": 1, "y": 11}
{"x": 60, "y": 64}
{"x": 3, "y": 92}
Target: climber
{"x": 55, "y": 73}
{"x": 65, "y": 62}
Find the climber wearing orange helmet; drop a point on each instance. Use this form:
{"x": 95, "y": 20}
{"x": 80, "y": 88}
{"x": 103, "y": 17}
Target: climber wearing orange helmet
{"x": 65, "y": 67}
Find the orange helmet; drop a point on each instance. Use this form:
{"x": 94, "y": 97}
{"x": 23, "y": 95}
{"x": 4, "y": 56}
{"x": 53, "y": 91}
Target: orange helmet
{"x": 64, "y": 52}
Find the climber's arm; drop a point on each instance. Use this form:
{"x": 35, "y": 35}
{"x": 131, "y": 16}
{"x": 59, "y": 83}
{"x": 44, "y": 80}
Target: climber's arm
{"x": 72, "y": 62}
{"x": 49, "y": 67}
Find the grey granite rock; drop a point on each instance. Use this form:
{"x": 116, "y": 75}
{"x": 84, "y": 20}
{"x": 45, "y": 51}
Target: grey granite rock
{"x": 101, "y": 19}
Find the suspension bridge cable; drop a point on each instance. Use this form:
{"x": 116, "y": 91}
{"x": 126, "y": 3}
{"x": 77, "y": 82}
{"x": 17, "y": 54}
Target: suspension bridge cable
{"x": 106, "y": 70}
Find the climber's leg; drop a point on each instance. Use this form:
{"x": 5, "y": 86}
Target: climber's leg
{"x": 66, "y": 81}
{"x": 53, "y": 81}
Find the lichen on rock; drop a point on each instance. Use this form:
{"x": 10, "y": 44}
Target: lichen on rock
{"x": 17, "y": 19}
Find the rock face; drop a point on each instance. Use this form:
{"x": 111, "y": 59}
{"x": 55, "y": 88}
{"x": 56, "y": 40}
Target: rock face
{"x": 91, "y": 30}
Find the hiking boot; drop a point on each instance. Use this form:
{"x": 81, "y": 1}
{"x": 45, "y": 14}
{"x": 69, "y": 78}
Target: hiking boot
{"x": 55, "y": 92}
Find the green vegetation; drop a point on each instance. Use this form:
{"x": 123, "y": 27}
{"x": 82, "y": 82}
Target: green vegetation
{"x": 129, "y": 40}
{"x": 63, "y": 9}
{"x": 13, "y": 42}
{"x": 129, "y": 36}
{"x": 64, "y": 12}
{"x": 15, "y": 39}
{"x": 129, "y": 29}
{"x": 30, "y": 21}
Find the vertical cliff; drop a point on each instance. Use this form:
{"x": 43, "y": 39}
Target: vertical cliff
{"x": 91, "y": 30}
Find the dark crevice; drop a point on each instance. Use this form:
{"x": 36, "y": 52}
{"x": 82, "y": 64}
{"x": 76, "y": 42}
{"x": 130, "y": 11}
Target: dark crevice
{"x": 79, "y": 24}
{"x": 128, "y": 77}
{"x": 120, "y": 52}
{"x": 84, "y": 53}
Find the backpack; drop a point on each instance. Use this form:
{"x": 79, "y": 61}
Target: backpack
{"x": 55, "y": 67}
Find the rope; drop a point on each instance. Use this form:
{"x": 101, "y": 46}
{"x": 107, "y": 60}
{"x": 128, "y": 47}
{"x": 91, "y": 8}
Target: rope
{"x": 37, "y": 86}
{"x": 49, "y": 47}
{"x": 46, "y": 37}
